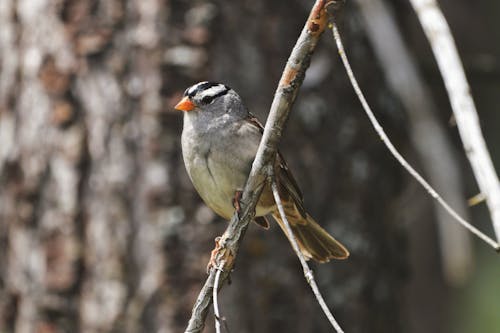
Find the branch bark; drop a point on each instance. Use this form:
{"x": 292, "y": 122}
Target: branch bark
{"x": 442, "y": 44}
{"x": 285, "y": 95}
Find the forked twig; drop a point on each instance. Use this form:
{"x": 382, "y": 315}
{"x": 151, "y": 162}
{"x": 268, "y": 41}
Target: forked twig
{"x": 308, "y": 273}
{"x": 438, "y": 158}
{"x": 438, "y": 33}
{"x": 380, "y": 131}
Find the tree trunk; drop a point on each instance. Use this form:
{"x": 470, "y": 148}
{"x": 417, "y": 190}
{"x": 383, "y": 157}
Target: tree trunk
{"x": 101, "y": 230}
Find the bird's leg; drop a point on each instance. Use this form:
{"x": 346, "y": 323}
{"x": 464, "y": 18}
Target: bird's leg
{"x": 218, "y": 247}
{"x": 213, "y": 255}
{"x": 236, "y": 201}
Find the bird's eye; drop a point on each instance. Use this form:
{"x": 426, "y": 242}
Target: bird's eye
{"x": 207, "y": 99}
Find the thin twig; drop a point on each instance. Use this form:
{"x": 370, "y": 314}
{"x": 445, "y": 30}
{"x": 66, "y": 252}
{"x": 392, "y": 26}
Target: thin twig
{"x": 380, "y": 131}
{"x": 216, "y": 302}
{"x": 308, "y": 273}
{"x": 289, "y": 84}
{"x": 438, "y": 33}
{"x": 428, "y": 135}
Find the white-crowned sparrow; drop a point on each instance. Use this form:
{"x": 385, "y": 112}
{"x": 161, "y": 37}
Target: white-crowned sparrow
{"x": 219, "y": 142}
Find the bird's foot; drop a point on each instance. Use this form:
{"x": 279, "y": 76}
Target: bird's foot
{"x": 236, "y": 201}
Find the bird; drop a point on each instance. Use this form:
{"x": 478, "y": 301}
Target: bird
{"x": 219, "y": 140}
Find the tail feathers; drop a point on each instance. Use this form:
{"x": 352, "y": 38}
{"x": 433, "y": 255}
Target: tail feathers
{"x": 314, "y": 241}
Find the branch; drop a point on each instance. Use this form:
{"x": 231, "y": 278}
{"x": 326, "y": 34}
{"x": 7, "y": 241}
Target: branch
{"x": 216, "y": 303}
{"x": 442, "y": 44}
{"x": 284, "y": 98}
{"x": 308, "y": 274}
{"x": 380, "y": 131}
{"x": 435, "y": 151}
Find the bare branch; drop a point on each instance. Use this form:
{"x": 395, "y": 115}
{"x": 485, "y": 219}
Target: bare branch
{"x": 308, "y": 273}
{"x": 436, "y": 151}
{"x": 442, "y": 44}
{"x": 284, "y": 98}
{"x": 380, "y": 131}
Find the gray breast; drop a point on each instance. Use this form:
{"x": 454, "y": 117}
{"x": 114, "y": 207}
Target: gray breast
{"x": 215, "y": 164}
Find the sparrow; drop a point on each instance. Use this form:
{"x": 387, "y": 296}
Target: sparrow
{"x": 220, "y": 138}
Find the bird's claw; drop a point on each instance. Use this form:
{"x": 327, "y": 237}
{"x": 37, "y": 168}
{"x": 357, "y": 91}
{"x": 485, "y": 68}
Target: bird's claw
{"x": 236, "y": 201}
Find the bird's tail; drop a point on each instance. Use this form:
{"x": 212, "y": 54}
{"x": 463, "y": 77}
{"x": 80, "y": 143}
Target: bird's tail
{"x": 314, "y": 241}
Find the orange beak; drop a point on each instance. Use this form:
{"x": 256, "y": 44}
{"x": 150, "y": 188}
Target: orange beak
{"x": 185, "y": 104}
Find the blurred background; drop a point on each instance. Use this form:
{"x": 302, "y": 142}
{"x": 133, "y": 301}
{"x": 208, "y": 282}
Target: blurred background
{"x": 102, "y": 231}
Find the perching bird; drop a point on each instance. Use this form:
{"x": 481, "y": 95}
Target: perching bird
{"x": 219, "y": 143}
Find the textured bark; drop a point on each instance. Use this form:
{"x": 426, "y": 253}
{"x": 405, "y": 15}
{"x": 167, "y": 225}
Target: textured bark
{"x": 100, "y": 228}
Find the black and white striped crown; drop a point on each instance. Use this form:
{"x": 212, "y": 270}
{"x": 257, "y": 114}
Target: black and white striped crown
{"x": 206, "y": 91}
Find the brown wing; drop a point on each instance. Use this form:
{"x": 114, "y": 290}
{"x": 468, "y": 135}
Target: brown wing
{"x": 283, "y": 173}
{"x": 289, "y": 184}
